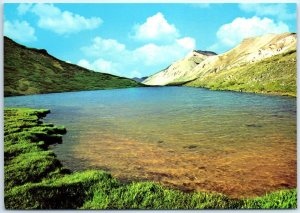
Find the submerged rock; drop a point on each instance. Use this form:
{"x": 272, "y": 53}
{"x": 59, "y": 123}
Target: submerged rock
{"x": 190, "y": 147}
{"x": 253, "y": 125}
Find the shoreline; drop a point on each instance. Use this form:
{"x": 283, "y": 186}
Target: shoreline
{"x": 292, "y": 95}
{"x": 36, "y": 179}
{"x": 247, "y": 92}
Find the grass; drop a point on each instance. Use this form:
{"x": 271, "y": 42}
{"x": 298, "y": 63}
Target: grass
{"x": 35, "y": 179}
{"x": 274, "y": 75}
{"x": 33, "y": 71}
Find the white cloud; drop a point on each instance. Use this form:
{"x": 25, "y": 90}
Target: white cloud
{"x": 101, "y": 46}
{"x": 24, "y": 8}
{"x": 63, "y": 22}
{"x": 187, "y": 43}
{"x": 20, "y": 31}
{"x": 99, "y": 65}
{"x": 84, "y": 63}
{"x": 276, "y": 10}
{"x": 156, "y": 28}
{"x": 163, "y": 46}
{"x": 111, "y": 56}
{"x": 152, "y": 54}
{"x": 233, "y": 33}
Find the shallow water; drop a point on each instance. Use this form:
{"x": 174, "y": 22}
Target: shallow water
{"x": 239, "y": 144}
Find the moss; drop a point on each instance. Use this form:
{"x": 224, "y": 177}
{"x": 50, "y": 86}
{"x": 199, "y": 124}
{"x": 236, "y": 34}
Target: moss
{"x": 30, "y": 167}
{"x": 148, "y": 195}
{"x": 35, "y": 179}
{"x": 285, "y": 199}
{"x": 67, "y": 192}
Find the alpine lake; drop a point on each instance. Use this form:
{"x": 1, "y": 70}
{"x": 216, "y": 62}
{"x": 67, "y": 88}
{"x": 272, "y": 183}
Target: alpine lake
{"x": 192, "y": 139}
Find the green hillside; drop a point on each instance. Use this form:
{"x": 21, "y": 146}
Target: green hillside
{"x": 274, "y": 75}
{"x": 33, "y": 71}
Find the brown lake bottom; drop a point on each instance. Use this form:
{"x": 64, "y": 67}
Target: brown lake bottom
{"x": 191, "y": 139}
{"x": 235, "y": 171}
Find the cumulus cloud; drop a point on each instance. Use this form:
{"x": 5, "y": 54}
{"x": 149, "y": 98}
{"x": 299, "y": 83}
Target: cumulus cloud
{"x": 125, "y": 61}
{"x": 162, "y": 46}
{"x": 187, "y": 43}
{"x": 20, "y": 31}
{"x": 99, "y": 65}
{"x": 153, "y": 54}
{"x": 23, "y": 8}
{"x": 233, "y": 33}
{"x": 63, "y": 22}
{"x": 85, "y": 63}
{"x": 276, "y": 10}
{"x": 101, "y": 46}
{"x": 156, "y": 28}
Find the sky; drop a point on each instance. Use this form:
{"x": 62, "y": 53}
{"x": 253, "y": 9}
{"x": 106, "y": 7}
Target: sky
{"x": 136, "y": 40}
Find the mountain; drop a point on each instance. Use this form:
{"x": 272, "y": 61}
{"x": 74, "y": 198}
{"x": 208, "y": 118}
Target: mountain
{"x": 34, "y": 71}
{"x": 274, "y": 75}
{"x": 265, "y": 64}
{"x": 179, "y": 72}
{"x": 139, "y": 79}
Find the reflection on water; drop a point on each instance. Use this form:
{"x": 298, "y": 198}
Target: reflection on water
{"x": 193, "y": 139}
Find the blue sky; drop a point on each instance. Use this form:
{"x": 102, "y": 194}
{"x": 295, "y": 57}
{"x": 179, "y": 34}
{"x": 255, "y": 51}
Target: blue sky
{"x": 140, "y": 39}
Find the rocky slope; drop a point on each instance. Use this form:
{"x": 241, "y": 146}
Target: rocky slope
{"x": 278, "y": 51}
{"x": 33, "y": 71}
{"x": 274, "y": 75}
{"x": 179, "y": 72}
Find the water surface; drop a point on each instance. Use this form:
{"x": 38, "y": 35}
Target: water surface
{"x": 239, "y": 144}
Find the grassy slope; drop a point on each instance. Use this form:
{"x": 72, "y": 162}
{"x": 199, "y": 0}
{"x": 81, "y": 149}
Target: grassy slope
{"x": 32, "y": 71}
{"x": 274, "y": 75}
{"x": 35, "y": 179}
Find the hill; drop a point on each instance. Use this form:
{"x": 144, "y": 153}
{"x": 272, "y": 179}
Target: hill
{"x": 265, "y": 64}
{"x": 139, "y": 79}
{"x": 33, "y": 71}
{"x": 179, "y": 72}
{"x": 275, "y": 75}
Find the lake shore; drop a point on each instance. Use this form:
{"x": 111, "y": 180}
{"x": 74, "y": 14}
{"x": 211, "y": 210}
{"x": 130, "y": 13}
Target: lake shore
{"x": 262, "y": 92}
{"x": 35, "y": 179}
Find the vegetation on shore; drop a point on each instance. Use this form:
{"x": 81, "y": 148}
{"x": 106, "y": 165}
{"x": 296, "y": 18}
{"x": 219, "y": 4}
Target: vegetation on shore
{"x": 35, "y": 179}
{"x": 274, "y": 75}
{"x": 33, "y": 71}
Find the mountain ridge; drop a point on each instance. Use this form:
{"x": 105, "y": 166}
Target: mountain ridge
{"x": 189, "y": 62}
{"x": 249, "y": 51}
{"x": 34, "y": 71}
{"x": 205, "y": 52}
